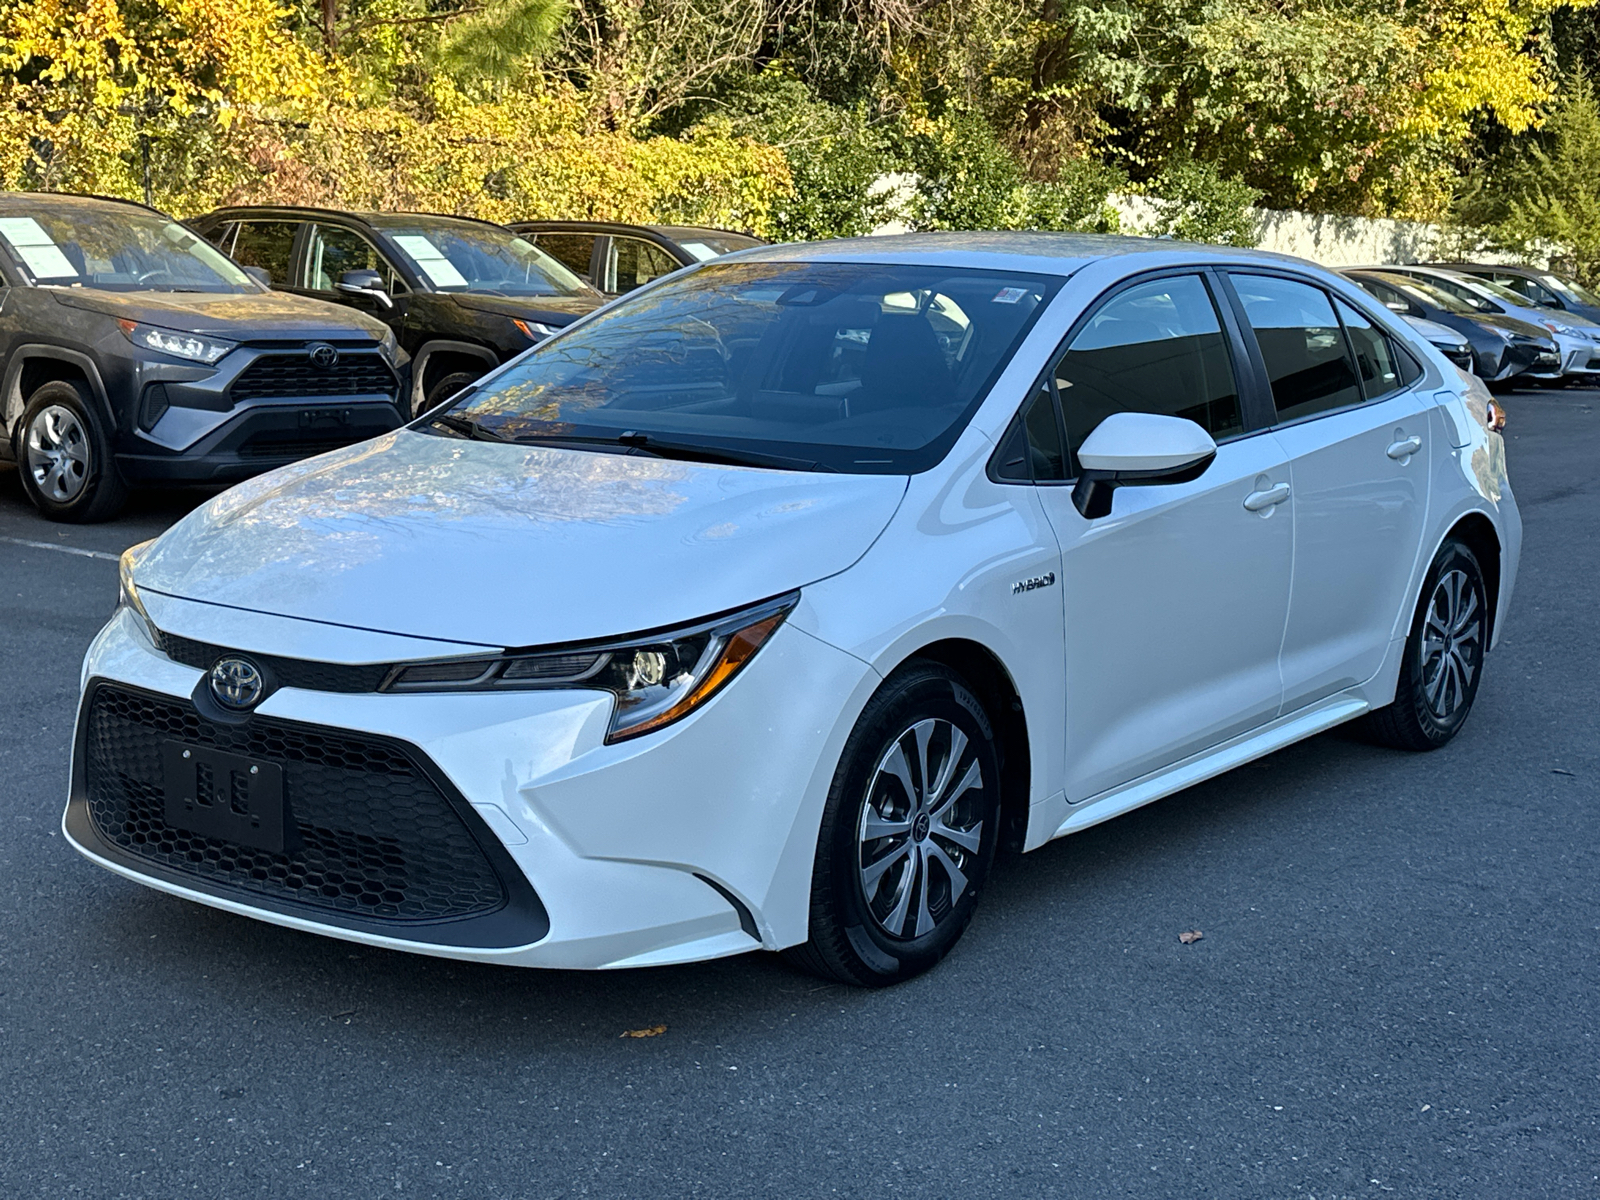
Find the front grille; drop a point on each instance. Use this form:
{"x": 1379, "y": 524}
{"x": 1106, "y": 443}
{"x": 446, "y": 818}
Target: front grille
{"x": 281, "y": 672}
{"x": 294, "y": 376}
{"x": 368, "y": 834}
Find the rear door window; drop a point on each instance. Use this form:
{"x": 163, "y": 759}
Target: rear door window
{"x": 268, "y": 245}
{"x": 1301, "y": 343}
{"x": 1377, "y": 360}
{"x": 1157, "y": 347}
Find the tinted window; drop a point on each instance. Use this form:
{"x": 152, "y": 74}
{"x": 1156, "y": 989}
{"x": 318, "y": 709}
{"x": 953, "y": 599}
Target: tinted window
{"x": 1375, "y": 355}
{"x": 1463, "y": 293}
{"x": 333, "y": 251}
{"x": 1301, "y": 343}
{"x": 572, "y": 250}
{"x": 633, "y": 263}
{"x": 1155, "y": 348}
{"x": 860, "y": 367}
{"x": 266, "y": 244}
{"x": 1527, "y": 289}
{"x": 1389, "y": 297}
{"x": 1032, "y": 447}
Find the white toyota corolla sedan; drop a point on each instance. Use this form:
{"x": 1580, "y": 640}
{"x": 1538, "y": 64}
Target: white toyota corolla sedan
{"x": 761, "y": 607}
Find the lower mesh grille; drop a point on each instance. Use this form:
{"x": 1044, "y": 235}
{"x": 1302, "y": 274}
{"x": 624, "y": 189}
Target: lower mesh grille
{"x": 371, "y": 835}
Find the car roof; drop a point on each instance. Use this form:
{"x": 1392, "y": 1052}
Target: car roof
{"x": 373, "y": 220}
{"x": 1038, "y": 253}
{"x": 12, "y": 201}
{"x": 672, "y": 232}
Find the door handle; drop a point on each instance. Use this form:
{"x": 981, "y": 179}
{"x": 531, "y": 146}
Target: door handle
{"x": 1404, "y": 448}
{"x": 1267, "y": 497}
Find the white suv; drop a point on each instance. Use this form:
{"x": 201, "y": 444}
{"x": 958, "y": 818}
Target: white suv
{"x": 758, "y": 608}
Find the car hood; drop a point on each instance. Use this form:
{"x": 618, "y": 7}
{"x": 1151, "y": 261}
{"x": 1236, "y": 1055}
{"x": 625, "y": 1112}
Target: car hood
{"x": 511, "y": 545}
{"x": 1512, "y": 324}
{"x": 237, "y": 316}
{"x": 552, "y": 310}
{"x": 1435, "y": 332}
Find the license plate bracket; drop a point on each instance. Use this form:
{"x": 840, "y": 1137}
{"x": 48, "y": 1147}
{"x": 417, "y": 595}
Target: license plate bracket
{"x": 226, "y": 796}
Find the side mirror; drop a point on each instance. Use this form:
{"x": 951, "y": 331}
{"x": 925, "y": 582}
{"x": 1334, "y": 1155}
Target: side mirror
{"x": 366, "y": 282}
{"x": 1138, "y": 448}
{"x": 259, "y": 274}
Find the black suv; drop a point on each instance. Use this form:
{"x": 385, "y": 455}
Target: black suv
{"x": 131, "y": 352}
{"x": 617, "y": 258}
{"x": 463, "y": 296}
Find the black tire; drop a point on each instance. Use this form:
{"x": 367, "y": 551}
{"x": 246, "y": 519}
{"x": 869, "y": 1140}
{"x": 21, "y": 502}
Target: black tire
{"x": 850, "y": 924}
{"x": 1449, "y": 637}
{"x": 447, "y": 387}
{"x": 64, "y": 456}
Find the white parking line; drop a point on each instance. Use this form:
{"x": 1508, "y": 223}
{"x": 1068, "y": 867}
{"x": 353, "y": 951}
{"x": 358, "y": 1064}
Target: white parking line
{"x": 60, "y": 549}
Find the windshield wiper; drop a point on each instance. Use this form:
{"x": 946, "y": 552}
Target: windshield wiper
{"x": 468, "y": 428}
{"x": 648, "y": 444}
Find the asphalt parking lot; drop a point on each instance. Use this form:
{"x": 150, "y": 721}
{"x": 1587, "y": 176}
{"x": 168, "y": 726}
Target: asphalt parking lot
{"x": 1396, "y": 992}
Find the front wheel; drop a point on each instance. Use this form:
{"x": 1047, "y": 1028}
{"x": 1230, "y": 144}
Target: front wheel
{"x": 1443, "y": 656}
{"x": 908, "y": 833}
{"x": 65, "y": 456}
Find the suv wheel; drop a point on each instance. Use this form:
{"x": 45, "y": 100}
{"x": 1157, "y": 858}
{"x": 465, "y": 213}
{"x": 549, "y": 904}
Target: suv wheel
{"x": 445, "y": 388}
{"x": 1443, "y": 656}
{"x": 908, "y": 833}
{"x": 65, "y": 457}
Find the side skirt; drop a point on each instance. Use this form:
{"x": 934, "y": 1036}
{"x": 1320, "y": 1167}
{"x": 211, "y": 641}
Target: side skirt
{"x": 1325, "y": 714}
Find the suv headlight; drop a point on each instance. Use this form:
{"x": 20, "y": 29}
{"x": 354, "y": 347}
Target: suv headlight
{"x": 656, "y": 679}
{"x": 170, "y": 341}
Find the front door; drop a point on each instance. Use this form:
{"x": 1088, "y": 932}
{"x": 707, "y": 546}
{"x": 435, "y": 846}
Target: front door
{"x": 1175, "y": 603}
{"x": 330, "y": 251}
{"x": 1358, "y": 441}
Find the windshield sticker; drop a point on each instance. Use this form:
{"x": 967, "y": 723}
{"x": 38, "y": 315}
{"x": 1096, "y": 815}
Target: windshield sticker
{"x": 1009, "y": 295}
{"x": 699, "y": 251}
{"x": 441, "y": 272}
{"x": 33, "y": 245}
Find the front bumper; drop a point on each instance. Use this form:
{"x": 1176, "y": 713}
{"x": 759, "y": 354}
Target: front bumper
{"x": 691, "y": 843}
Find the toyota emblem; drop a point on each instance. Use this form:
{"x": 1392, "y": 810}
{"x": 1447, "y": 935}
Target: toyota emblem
{"x": 236, "y": 683}
{"x": 324, "y": 355}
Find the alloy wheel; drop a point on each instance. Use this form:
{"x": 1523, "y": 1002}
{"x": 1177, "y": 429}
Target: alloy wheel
{"x": 1452, "y": 644}
{"x": 57, "y": 452}
{"x": 920, "y": 828}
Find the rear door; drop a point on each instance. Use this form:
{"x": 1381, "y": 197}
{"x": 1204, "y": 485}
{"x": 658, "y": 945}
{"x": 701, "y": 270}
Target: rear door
{"x": 1357, "y": 436}
{"x": 1175, "y": 603}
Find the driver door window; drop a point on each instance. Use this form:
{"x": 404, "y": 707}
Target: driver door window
{"x": 331, "y": 251}
{"x": 632, "y": 263}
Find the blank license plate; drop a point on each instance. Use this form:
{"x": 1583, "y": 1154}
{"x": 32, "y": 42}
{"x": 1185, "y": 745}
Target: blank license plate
{"x": 224, "y": 796}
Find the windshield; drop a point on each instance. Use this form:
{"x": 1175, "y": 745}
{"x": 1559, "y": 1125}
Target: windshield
{"x": 1428, "y": 294}
{"x": 461, "y": 257}
{"x": 854, "y": 367}
{"x": 1464, "y": 293}
{"x": 116, "y": 249}
{"x": 703, "y": 246}
{"x": 1501, "y": 292}
{"x": 1572, "y": 289}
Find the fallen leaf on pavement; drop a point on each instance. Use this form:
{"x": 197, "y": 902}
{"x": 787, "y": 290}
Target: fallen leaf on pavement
{"x": 1191, "y": 937}
{"x": 651, "y": 1031}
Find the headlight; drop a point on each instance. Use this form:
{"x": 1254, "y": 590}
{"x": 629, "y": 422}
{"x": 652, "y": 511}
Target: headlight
{"x": 1564, "y": 330}
{"x": 656, "y": 679}
{"x": 169, "y": 341}
{"x": 537, "y": 330}
{"x": 1505, "y": 335}
{"x": 127, "y": 590}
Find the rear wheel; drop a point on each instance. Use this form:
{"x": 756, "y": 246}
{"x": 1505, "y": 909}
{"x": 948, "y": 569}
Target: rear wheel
{"x": 908, "y": 833}
{"x": 1443, "y": 656}
{"x": 65, "y": 457}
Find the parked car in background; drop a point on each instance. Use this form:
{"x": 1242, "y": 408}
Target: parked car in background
{"x": 1545, "y": 288}
{"x": 131, "y": 351}
{"x": 1446, "y": 341}
{"x": 462, "y": 296}
{"x": 1577, "y": 338}
{"x": 763, "y": 607}
{"x": 1503, "y": 348}
{"x": 617, "y": 258}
